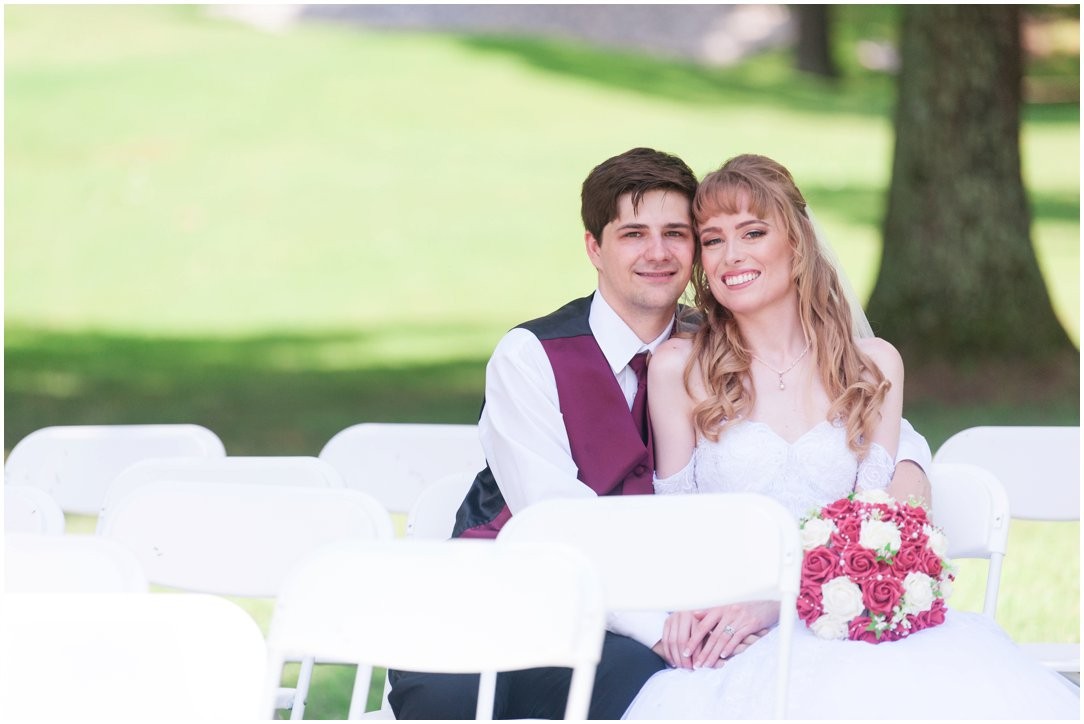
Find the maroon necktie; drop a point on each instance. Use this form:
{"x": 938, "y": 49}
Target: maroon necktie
{"x": 638, "y": 363}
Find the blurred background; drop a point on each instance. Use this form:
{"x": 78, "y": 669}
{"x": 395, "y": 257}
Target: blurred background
{"x": 278, "y": 221}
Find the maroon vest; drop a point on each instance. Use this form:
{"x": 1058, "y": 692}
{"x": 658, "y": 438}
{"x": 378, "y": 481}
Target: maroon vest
{"x": 604, "y": 439}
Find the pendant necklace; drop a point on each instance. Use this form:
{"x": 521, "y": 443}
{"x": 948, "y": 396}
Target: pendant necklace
{"x": 792, "y": 365}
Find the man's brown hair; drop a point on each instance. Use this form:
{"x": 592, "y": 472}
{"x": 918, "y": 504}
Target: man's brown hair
{"x": 635, "y": 172}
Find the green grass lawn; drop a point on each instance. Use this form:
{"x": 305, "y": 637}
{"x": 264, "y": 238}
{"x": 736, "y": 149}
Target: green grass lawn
{"x": 277, "y": 236}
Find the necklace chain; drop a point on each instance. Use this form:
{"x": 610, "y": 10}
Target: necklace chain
{"x": 788, "y": 369}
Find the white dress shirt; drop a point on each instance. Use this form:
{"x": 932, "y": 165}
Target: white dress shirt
{"x": 526, "y": 445}
{"x": 521, "y": 428}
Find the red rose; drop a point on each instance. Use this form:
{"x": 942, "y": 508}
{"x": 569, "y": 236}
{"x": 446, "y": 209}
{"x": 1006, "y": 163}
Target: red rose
{"x": 934, "y": 617}
{"x": 809, "y": 603}
{"x": 916, "y": 512}
{"x": 909, "y": 558}
{"x": 841, "y": 508}
{"x": 931, "y": 563}
{"x": 860, "y": 630}
{"x": 891, "y": 513}
{"x": 819, "y": 565}
{"x": 911, "y": 529}
{"x": 893, "y": 635}
{"x": 858, "y": 562}
{"x": 881, "y": 594}
{"x": 847, "y": 531}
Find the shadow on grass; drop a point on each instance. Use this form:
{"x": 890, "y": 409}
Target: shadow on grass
{"x": 865, "y": 205}
{"x": 267, "y": 395}
{"x": 288, "y": 394}
{"x": 765, "y": 79}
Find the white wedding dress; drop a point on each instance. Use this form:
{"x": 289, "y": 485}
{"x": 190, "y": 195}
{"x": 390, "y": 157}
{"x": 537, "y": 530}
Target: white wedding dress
{"x": 966, "y": 668}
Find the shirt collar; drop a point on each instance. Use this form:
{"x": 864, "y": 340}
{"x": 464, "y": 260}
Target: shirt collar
{"x": 616, "y": 340}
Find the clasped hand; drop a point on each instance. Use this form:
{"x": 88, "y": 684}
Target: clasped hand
{"x": 695, "y": 639}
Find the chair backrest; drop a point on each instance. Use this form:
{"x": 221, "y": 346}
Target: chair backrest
{"x": 301, "y": 471}
{"x": 395, "y": 461}
{"x": 444, "y": 606}
{"x": 433, "y": 513}
{"x": 130, "y": 658}
{"x": 1039, "y": 466}
{"x": 31, "y": 510}
{"x": 971, "y": 507}
{"x": 652, "y": 551}
{"x": 235, "y": 538}
{"x": 76, "y": 463}
{"x": 69, "y": 564}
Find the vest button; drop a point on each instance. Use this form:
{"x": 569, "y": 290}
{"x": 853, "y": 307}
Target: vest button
{"x": 640, "y": 470}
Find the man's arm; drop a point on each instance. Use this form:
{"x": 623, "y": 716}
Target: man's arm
{"x": 912, "y": 461}
{"x": 521, "y": 428}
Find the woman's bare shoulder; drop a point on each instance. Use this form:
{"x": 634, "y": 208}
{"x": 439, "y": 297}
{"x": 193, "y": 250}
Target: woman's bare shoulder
{"x": 884, "y": 354}
{"x": 672, "y": 355}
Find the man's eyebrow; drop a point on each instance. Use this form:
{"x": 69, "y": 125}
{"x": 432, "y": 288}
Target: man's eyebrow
{"x": 640, "y": 225}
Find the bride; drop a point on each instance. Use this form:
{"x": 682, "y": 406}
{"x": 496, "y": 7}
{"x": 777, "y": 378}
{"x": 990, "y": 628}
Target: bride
{"x": 783, "y": 390}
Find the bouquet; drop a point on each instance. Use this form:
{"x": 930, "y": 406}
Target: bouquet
{"x": 874, "y": 569}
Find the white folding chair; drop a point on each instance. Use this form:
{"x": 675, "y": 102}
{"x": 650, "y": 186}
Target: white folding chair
{"x": 237, "y": 539}
{"x": 129, "y": 658}
{"x": 501, "y": 608}
{"x": 395, "y": 461}
{"x": 433, "y": 513}
{"x": 1040, "y": 469}
{"x": 300, "y": 471}
{"x": 76, "y": 463}
{"x": 971, "y": 507}
{"x": 1039, "y": 466}
{"x": 69, "y": 564}
{"x": 652, "y": 551}
{"x": 31, "y": 510}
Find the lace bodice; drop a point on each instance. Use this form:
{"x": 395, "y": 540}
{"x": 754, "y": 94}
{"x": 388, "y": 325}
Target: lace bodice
{"x": 750, "y": 457}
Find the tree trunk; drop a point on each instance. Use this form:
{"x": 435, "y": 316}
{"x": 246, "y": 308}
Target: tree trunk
{"x": 959, "y": 281}
{"x": 814, "y": 50}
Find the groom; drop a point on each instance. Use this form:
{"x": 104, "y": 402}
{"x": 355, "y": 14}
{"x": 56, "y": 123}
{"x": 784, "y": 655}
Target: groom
{"x": 565, "y": 416}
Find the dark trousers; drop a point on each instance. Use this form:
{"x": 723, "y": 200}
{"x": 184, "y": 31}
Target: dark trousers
{"x": 531, "y": 693}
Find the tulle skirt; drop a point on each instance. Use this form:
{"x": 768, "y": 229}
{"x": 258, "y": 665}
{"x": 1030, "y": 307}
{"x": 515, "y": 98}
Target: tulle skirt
{"x": 966, "y": 668}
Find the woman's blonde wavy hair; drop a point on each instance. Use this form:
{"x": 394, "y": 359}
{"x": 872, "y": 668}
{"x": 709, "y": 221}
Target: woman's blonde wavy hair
{"x": 853, "y": 381}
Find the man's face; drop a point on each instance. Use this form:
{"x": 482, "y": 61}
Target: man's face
{"x": 645, "y": 257}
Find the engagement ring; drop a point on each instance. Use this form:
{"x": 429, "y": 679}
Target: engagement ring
{"x": 729, "y": 630}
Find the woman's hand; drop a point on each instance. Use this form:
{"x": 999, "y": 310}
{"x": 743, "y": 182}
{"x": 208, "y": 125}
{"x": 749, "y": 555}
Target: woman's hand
{"x": 729, "y": 630}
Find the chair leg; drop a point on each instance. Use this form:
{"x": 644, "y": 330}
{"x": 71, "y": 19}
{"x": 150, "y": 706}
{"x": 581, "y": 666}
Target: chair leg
{"x": 359, "y": 698}
{"x": 304, "y": 679}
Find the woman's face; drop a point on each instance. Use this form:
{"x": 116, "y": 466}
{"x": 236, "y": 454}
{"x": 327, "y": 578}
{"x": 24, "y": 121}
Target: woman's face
{"x": 747, "y": 261}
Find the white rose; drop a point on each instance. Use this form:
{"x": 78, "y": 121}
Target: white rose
{"x": 829, "y": 627}
{"x": 917, "y": 592}
{"x": 878, "y": 535}
{"x": 938, "y": 541}
{"x": 842, "y": 598}
{"x": 873, "y": 496}
{"x": 944, "y": 587}
{"x": 816, "y": 532}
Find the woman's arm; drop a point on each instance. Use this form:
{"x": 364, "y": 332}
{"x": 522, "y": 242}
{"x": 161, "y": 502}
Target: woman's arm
{"x": 670, "y": 407}
{"x": 908, "y": 479}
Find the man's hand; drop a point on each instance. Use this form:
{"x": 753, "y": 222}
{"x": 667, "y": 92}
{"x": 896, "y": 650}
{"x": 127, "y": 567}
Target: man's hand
{"x": 676, "y": 646}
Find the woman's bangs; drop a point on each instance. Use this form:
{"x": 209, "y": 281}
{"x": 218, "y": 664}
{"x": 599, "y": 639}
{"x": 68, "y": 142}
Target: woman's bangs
{"x": 731, "y": 196}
